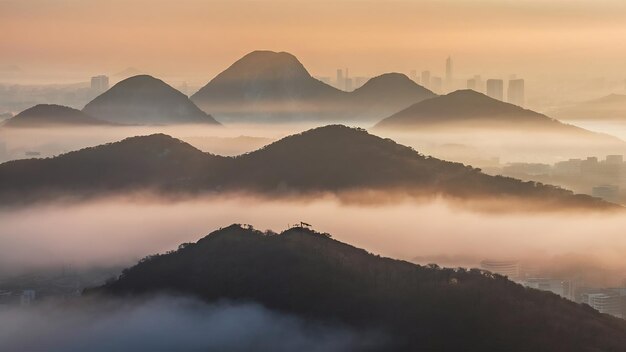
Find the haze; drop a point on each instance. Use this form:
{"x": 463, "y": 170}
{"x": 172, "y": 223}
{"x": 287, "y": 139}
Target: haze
{"x": 70, "y": 39}
{"x": 427, "y": 232}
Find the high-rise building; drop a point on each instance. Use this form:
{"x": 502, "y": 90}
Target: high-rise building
{"x": 340, "y": 80}
{"x": 471, "y": 84}
{"x": 610, "y": 193}
{"x": 614, "y": 159}
{"x": 348, "y": 85}
{"x": 515, "y": 93}
{"x": 479, "y": 83}
{"x": 436, "y": 85}
{"x": 508, "y": 268}
{"x": 559, "y": 287}
{"x": 605, "y": 301}
{"x": 426, "y": 79}
{"x": 414, "y": 75}
{"x": 449, "y": 72}
{"x": 100, "y": 83}
{"x": 27, "y": 297}
{"x": 495, "y": 88}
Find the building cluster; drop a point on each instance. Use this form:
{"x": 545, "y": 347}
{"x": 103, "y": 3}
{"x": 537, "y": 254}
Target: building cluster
{"x": 99, "y": 84}
{"x": 605, "y": 300}
{"x": 600, "y": 178}
{"x": 495, "y": 88}
{"x": 344, "y": 81}
{"x": 29, "y": 289}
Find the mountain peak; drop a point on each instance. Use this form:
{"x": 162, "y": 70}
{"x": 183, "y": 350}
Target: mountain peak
{"x": 390, "y": 78}
{"x": 418, "y": 308}
{"x": 51, "y": 114}
{"x": 465, "y": 106}
{"x": 144, "y": 99}
{"x": 275, "y": 86}
{"x": 268, "y": 64}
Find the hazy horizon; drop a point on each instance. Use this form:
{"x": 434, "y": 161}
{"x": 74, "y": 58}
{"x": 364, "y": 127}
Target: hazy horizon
{"x": 68, "y": 41}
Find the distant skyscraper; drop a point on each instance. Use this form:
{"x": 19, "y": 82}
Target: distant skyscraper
{"x": 495, "y": 88}
{"x": 348, "y": 85}
{"x": 436, "y": 85}
{"x": 340, "y": 80}
{"x": 414, "y": 75}
{"x": 100, "y": 83}
{"x": 479, "y": 83}
{"x": 471, "y": 84}
{"x": 515, "y": 93}
{"x": 449, "y": 72}
{"x": 508, "y": 268}
{"x": 426, "y": 79}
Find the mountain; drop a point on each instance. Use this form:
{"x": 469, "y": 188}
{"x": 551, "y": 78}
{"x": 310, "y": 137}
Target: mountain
{"x": 416, "y": 308}
{"x": 387, "y": 94}
{"x": 146, "y": 100}
{"x": 46, "y": 115}
{"x": 275, "y": 86}
{"x": 609, "y": 108}
{"x": 468, "y": 108}
{"x": 334, "y": 159}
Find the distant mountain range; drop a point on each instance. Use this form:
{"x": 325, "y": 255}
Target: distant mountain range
{"x": 146, "y": 100}
{"x": 266, "y": 86}
{"x": 327, "y": 159}
{"x": 609, "y": 108}
{"x": 415, "y": 308}
{"x": 471, "y": 109}
{"x": 47, "y": 115}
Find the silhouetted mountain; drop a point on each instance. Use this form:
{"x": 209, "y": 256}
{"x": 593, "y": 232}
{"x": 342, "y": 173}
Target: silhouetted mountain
{"x": 611, "y": 107}
{"x": 326, "y": 159}
{"x": 417, "y": 308}
{"x": 468, "y": 108}
{"x": 146, "y": 100}
{"x": 271, "y": 86}
{"x": 387, "y": 94}
{"x": 46, "y": 115}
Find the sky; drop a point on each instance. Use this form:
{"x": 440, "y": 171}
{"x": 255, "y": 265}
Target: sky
{"x": 195, "y": 38}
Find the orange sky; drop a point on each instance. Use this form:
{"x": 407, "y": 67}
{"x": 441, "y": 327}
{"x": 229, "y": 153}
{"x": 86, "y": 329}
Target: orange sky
{"x": 200, "y": 38}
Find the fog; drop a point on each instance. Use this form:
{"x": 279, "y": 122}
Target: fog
{"x": 227, "y": 140}
{"x": 478, "y": 148}
{"x": 485, "y": 147}
{"x": 588, "y": 245}
{"x": 167, "y": 324}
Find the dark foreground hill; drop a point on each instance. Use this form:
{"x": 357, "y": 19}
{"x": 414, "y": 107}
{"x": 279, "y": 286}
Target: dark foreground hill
{"x": 470, "y": 109}
{"x": 334, "y": 159}
{"x": 48, "y": 115}
{"x": 417, "y": 308}
{"x": 145, "y": 100}
{"x": 275, "y": 87}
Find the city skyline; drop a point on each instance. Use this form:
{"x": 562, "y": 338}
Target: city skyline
{"x": 151, "y": 33}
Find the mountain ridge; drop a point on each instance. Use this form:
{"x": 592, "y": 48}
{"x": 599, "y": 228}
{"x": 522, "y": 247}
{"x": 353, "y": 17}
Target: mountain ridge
{"x": 310, "y": 274}
{"x": 468, "y": 108}
{"x": 50, "y": 115}
{"x": 335, "y": 159}
{"x": 143, "y": 99}
{"x": 275, "y": 86}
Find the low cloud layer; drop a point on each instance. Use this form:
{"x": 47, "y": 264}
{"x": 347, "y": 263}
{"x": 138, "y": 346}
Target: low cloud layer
{"x": 120, "y": 232}
{"x": 166, "y": 324}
